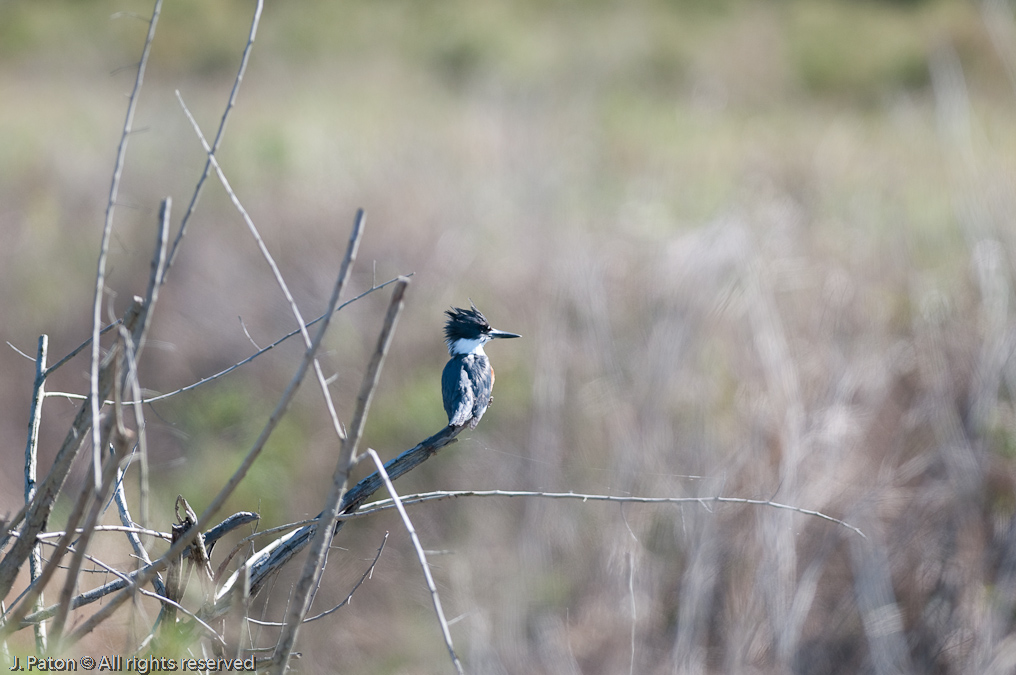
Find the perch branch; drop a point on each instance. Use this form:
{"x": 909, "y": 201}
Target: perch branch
{"x": 277, "y": 554}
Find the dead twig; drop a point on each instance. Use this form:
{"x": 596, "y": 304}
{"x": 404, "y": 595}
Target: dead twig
{"x": 107, "y": 231}
{"x": 368, "y": 573}
{"x": 31, "y": 468}
{"x": 210, "y": 537}
{"x": 235, "y": 366}
{"x": 434, "y": 597}
{"x": 36, "y": 514}
{"x": 270, "y": 559}
{"x": 386, "y": 504}
{"x": 219, "y": 500}
{"x": 309, "y": 579}
{"x": 120, "y": 442}
{"x": 354, "y": 243}
{"x": 218, "y": 136}
{"x": 133, "y": 351}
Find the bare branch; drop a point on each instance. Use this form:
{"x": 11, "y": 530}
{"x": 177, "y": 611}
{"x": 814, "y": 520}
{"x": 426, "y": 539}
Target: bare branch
{"x": 31, "y": 468}
{"x": 435, "y": 598}
{"x": 119, "y": 448}
{"x": 107, "y": 231}
{"x": 11, "y": 345}
{"x": 313, "y": 566}
{"x": 273, "y": 557}
{"x": 210, "y": 537}
{"x": 12, "y": 621}
{"x": 386, "y": 504}
{"x": 176, "y": 549}
{"x": 134, "y": 347}
{"x": 369, "y": 572}
{"x": 206, "y": 380}
{"x": 135, "y": 529}
{"x": 218, "y": 134}
{"x": 354, "y": 243}
{"x": 80, "y": 348}
{"x": 120, "y": 498}
{"x": 36, "y": 514}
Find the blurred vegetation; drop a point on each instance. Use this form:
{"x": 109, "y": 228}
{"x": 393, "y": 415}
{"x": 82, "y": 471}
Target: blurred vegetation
{"x": 755, "y": 249}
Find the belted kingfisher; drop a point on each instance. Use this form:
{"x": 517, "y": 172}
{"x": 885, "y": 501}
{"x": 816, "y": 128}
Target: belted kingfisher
{"x": 468, "y": 379}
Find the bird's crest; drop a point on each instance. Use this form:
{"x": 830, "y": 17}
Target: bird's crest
{"x": 465, "y": 324}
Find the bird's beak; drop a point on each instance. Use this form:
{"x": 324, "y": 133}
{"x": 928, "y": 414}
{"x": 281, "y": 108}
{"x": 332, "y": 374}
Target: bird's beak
{"x": 502, "y": 334}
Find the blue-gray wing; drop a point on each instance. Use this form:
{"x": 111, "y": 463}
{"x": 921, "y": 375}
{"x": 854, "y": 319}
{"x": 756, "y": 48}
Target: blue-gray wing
{"x": 466, "y": 384}
{"x": 457, "y": 392}
{"x": 482, "y": 376}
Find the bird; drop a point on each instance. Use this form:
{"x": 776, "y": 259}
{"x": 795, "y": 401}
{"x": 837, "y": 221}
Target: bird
{"x": 468, "y": 377}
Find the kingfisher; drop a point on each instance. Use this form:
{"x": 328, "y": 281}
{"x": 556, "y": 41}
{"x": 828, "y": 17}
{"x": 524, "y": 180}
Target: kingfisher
{"x": 468, "y": 378}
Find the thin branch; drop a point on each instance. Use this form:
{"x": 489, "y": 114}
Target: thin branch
{"x": 206, "y": 380}
{"x": 158, "y": 271}
{"x": 36, "y": 514}
{"x": 386, "y": 504}
{"x": 176, "y": 549}
{"x": 226, "y": 371}
{"x": 120, "y": 498}
{"x": 107, "y": 231}
{"x": 80, "y": 348}
{"x": 31, "y": 469}
{"x": 344, "y": 271}
{"x": 218, "y": 134}
{"x": 242, "y": 627}
{"x": 134, "y": 529}
{"x": 347, "y": 455}
{"x": 88, "y": 597}
{"x": 119, "y": 448}
{"x": 266, "y": 562}
{"x": 134, "y": 348}
{"x": 349, "y": 598}
{"x": 435, "y": 598}
{"x": 11, "y": 345}
{"x": 354, "y": 243}
{"x": 243, "y": 326}
{"x": 12, "y": 621}
{"x": 313, "y": 566}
